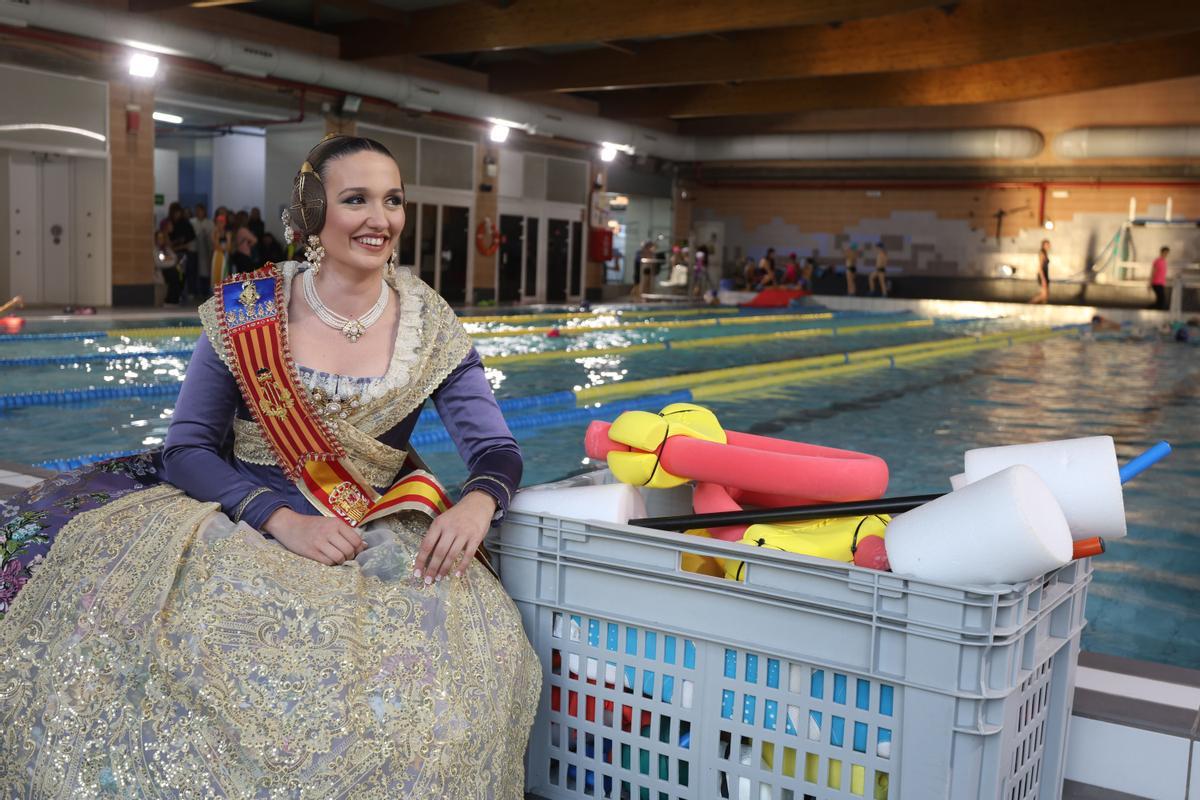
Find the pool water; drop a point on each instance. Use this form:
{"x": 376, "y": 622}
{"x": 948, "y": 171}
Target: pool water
{"x": 919, "y": 418}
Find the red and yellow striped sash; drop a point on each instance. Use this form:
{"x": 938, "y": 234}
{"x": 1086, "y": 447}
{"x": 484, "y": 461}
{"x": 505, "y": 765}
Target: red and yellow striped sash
{"x": 252, "y": 321}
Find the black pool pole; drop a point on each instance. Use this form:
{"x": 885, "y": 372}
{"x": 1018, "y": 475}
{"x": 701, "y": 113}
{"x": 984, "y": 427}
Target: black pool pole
{"x": 859, "y": 508}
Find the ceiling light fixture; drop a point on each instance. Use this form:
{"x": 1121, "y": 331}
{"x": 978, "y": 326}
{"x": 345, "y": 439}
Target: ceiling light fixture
{"x": 500, "y": 133}
{"x": 608, "y": 153}
{"x": 162, "y": 116}
{"x": 143, "y": 65}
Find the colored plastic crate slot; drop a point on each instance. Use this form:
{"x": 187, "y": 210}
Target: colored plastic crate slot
{"x": 630, "y": 679}
{"x": 862, "y": 691}
{"x": 668, "y": 688}
{"x": 789, "y": 762}
{"x": 594, "y": 632}
{"x": 749, "y": 702}
{"x": 631, "y": 637}
{"x": 669, "y": 649}
{"x": 773, "y": 673}
{"x": 860, "y": 737}
{"x": 726, "y": 704}
{"x": 793, "y": 720}
{"x": 835, "y": 774}
{"x": 837, "y": 731}
{"x": 555, "y": 734}
{"x": 651, "y": 645}
{"x": 770, "y": 714}
{"x": 556, "y": 662}
{"x": 751, "y": 668}
{"x": 812, "y": 767}
{"x": 573, "y": 665}
{"x": 881, "y": 786}
{"x": 858, "y": 780}
{"x": 795, "y": 678}
{"x": 689, "y": 654}
{"x": 576, "y": 628}
{"x": 689, "y": 689}
{"x": 612, "y": 637}
{"x": 883, "y": 743}
{"x": 839, "y": 689}
{"x": 885, "y": 699}
{"x": 648, "y": 684}
{"x": 817, "y": 688}
{"x": 610, "y": 674}
{"x": 730, "y": 663}
{"x": 814, "y": 726}
{"x": 556, "y": 625}
{"x": 685, "y": 734}
{"x": 593, "y": 669}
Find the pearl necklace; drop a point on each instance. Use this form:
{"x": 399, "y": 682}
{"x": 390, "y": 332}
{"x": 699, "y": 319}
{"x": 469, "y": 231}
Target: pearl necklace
{"x": 352, "y": 329}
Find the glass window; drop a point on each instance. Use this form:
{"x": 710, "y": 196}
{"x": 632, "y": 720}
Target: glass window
{"x": 450, "y": 165}
{"x": 566, "y": 181}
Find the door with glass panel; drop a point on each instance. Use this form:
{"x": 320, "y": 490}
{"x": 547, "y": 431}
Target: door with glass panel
{"x": 511, "y": 261}
{"x": 436, "y": 246}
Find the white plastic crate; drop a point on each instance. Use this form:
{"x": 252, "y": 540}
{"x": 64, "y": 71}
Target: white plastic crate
{"x": 810, "y": 679}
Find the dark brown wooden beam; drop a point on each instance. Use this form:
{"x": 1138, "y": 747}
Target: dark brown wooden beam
{"x": 977, "y": 31}
{"x": 466, "y": 27}
{"x": 1140, "y": 61}
{"x": 144, "y": 6}
{"x": 368, "y": 8}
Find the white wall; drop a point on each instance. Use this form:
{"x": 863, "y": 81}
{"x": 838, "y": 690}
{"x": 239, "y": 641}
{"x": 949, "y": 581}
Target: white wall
{"x": 240, "y": 172}
{"x": 287, "y": 146}
{"x": 166, "y": 180}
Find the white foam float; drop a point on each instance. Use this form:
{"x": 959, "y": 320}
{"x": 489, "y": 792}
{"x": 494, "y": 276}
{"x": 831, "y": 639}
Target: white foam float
{"x": 1004, "y": 528}
{"x": 1082, "y": 473}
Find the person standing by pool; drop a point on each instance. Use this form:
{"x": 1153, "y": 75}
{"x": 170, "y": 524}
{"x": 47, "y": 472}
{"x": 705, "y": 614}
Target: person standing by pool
{"x": 1043, "y": 295}
{"x": 880, "y": 274}
{"x": 851, "y": 256}
{"x": 1158, "y": 279}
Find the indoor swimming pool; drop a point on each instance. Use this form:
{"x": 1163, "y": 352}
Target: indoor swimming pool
{"x": 919, "y": 417}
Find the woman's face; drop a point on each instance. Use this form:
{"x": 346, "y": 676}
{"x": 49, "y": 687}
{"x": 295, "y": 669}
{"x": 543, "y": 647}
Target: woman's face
{"x": 364, "y": 212}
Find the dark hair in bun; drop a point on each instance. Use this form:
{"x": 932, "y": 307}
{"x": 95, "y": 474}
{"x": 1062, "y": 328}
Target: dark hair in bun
{"x": 307, "y": 209}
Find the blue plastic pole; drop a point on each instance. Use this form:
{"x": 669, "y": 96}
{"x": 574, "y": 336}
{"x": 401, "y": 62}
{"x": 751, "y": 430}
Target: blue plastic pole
{"x": 1143, "y": 462}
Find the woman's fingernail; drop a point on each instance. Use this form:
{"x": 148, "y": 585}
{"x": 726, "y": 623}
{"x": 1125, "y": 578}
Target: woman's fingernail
{"x": 438, "y": 579}
{"x": 458, "y": 574}
{"x": 428, "y": 580}
{"x": 416, "y": 573}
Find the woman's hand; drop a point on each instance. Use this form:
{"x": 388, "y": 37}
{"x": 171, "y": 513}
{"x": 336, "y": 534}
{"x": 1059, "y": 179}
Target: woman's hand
{"x": 452, "y": 539}
{"x": 324, "y": 539}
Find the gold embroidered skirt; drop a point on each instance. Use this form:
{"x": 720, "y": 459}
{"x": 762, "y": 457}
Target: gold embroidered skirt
{"x": 162, "y": 651}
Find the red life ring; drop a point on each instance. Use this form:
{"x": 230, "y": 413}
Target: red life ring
{"x": 486, "y": 246}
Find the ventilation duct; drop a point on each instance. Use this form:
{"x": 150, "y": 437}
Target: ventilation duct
{"x": 262, "y": 60}
{"x": 1158, "y": 142}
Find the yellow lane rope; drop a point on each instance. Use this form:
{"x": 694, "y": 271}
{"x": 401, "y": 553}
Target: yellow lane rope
{"x": 714, "y": 341}
{"x": 628, "y": 312}
{"x": 782, "y": 372}
{"x": 154, "y": 333}
{"x": 579, "y": 330}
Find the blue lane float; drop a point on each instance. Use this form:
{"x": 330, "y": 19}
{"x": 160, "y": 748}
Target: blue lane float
{"x": 66, "y": 464}
{"x": 45, "y": 361}
{"x": 435, "y": 436}
{"x": 440, "y": 435}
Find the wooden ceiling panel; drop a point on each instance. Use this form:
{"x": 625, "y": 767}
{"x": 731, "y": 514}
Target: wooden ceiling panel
{"x": 1140, "y": 61}
{"x": 974, "y": 32}
{"x": 469, "y": 27}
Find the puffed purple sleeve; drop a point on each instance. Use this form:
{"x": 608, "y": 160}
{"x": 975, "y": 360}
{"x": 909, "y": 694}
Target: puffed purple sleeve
{"x": 469, "y": 411}
{"x": 201, "y": 422}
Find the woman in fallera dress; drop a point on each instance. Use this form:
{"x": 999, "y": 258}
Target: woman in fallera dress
{"x": 285, "y": 603}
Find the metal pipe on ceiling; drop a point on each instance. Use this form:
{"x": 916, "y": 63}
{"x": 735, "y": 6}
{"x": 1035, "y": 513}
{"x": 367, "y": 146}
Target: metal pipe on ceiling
{"x": 280, "y": 63}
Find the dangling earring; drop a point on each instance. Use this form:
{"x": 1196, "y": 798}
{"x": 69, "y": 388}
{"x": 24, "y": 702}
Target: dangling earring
{"x": 392, "y": 263}
{"x": 314, "y": 252}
